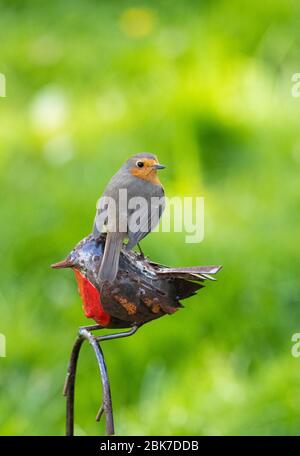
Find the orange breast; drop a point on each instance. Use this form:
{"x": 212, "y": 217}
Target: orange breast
{"x": 90, "y": 296}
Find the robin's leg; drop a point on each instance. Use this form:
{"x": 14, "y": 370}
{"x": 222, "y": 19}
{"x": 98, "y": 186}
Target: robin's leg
{"x": 141, "y": 252}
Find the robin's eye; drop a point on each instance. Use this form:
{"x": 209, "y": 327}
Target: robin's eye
{"x": 140, "y": 164}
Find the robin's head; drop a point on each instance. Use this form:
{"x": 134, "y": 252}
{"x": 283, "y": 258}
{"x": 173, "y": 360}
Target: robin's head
{"x": 144, "y": 166}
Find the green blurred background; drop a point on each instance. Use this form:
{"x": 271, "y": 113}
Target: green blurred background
{"x": 206, "y": 86}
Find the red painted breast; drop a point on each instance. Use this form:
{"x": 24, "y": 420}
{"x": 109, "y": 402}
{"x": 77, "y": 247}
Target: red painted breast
{"x": 90, "y": 296}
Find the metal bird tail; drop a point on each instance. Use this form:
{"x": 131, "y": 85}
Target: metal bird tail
{"x": 190, "y": 273}
{"x": 188, "y": 280}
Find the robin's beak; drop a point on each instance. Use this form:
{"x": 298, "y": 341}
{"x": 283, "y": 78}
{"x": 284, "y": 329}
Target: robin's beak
{"x": 158, "y": 166}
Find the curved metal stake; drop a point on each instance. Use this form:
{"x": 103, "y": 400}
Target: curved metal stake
{"x": 69, "y": 387}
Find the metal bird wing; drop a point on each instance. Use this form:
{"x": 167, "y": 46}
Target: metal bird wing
{"x": 143, "y": 290}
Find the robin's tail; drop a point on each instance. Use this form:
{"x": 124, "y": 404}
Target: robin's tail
{"x": 110, "y": 261}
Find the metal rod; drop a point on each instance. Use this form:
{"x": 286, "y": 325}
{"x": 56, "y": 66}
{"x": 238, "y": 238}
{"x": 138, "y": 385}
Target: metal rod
{"x": 69, "y": 388}
{"x": 117, "y": 335}
{"x": 106, "y": 394}
{"x": 84, "y": 333}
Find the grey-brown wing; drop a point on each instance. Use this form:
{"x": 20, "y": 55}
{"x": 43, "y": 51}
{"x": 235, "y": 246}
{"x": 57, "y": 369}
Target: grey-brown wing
{"x": 101, "y": 217}
{"x": 109, "y": 201}
{"x": 145, "y": 219}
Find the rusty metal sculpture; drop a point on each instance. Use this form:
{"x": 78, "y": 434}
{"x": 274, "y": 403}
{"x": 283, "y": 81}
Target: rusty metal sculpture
{"x": 142, "y": 291}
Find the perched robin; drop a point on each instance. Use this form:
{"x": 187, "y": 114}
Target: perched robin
{"x": 138, "y": 178}
{"x": 143, "y": 290}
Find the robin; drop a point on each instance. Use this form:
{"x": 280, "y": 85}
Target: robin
{"x": 131, "y": 207}
{"x": 143, "y": 291}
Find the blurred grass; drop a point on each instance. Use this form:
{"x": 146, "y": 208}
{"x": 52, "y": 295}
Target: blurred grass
{"x": 207, "y": 87}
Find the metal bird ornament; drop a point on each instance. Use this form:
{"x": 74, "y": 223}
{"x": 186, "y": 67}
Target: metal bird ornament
{"x": 138, "y": 178}
{"x": 120, "y": 288}
{"x": 142, "y": 291}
